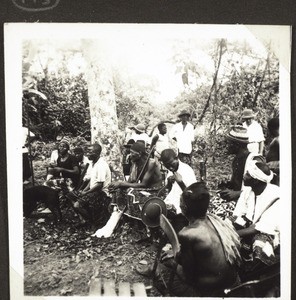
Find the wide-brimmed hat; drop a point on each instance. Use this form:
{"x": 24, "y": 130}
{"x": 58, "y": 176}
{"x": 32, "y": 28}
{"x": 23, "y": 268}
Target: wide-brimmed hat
{"x": 248, "y": 114}
{"x": 152, "y": 210}
{"x": 239, "y": 134}
{"x": 183, "y": 113}
{"x": 139, "y": 127}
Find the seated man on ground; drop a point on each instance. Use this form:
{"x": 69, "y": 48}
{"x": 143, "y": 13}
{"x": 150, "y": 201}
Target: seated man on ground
{"x": 145, "y": 173}
{"x": 65, "y": 175}
{"x": 91, "y": 203}
{"x": 256, "y": 216}
{"x": 144, "y": 170}
{"x": 180, "y": 176}
{"x": 209, "y": 251}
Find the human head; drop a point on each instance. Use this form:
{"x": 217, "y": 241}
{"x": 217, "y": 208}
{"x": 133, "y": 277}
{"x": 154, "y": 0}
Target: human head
{"x": 184, "y": 116}
{"x": 137, "y": 150}
{"x": 94, "y": 152}
{"x": 273, "y": 126}
{"x": 257, "y": 173}
{"x": 248, "y": 116}
{"x": 78, "y": 152}
{"x": 63, "y": 147}
{"x": 170, "y": 159}
{"x": 237, "y": 139}
{"x": 195, "y": 200}
{"x": 162, "y": 128}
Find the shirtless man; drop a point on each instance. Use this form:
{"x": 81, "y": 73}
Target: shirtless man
{"x": 209, "y": 255}
{"x": 142, "y": 174}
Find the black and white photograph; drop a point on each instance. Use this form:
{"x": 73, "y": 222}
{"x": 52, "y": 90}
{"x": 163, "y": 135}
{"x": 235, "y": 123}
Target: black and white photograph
{"x": 143, "y": 160}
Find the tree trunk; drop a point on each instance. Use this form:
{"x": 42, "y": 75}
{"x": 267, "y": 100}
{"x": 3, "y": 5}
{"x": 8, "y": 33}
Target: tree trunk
{"x": 102, "y": 105}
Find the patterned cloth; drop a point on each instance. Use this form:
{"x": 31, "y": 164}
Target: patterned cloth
{"x": 229, "y": 239}
{"x": 96, "y": 205}
{"x": 132, "y": 200}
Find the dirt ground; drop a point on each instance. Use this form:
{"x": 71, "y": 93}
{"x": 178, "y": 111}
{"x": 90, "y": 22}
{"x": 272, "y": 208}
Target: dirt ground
{"x": 59, "y": 260}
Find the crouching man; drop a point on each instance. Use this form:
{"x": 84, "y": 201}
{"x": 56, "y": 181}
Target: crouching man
{"x": 209, "y": 257}
{"x": 91, "y": 203}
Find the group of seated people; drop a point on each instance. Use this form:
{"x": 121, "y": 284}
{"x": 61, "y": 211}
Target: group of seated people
{"x": 211, "y": 249}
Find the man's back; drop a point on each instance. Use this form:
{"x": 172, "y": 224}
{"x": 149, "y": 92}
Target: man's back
{"x": 203, "y": 258}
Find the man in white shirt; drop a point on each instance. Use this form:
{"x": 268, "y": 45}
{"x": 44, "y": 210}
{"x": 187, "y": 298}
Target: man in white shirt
{"x": 183, "y": 133}
{"x": 257, "y": 213}
{"x": 180, "y": 176}
{"x": 255, "y": 132}
{"x": 92, "y": 202}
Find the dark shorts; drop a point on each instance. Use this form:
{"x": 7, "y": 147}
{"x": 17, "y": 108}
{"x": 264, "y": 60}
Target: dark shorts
{"x": 185, "y": 158}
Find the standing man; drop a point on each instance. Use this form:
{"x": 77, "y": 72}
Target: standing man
{"x": 183, "y": 134}
{"x": 161, "y": 141}
{"x": 255, "y": 132}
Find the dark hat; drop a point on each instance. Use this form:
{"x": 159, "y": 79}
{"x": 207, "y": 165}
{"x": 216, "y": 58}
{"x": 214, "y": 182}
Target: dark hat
{"x": 139, "y": 127}
{"x": 129, "y": 143}
{"x": 248, "y": 114}
{"x": 152, "y": 210}
{"x": 138, "y": 147}
{"x": 183, "y": 113}
{"x": 238, "y": 134}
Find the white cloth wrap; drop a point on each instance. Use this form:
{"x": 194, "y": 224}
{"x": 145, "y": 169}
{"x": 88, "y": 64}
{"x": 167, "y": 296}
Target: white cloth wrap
{"x": 256, "y": 173}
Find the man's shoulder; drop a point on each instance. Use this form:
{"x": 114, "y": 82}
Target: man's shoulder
{"x": 196, "y": 236}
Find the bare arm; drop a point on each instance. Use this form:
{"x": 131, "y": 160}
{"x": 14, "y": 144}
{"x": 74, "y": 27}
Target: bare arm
{"x": 154, "y": 141}
{"x": 247, "y": 231}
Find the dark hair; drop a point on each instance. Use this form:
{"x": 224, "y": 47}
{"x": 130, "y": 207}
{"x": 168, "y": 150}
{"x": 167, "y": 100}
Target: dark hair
{"x": 167, "y": 154}
{"x": 160, "y": 125}
{"x": 66, "y": 144}
{"x": 97, "y": 148}
{"x": 196, "y": 197}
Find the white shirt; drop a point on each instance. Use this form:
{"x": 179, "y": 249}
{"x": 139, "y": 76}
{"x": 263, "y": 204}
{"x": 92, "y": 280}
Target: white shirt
{"x": 246, "y": 205}
{"x": 162, "y": 143}
{"x": 54, "y": 157}
{"x": 184, "y": 137}
{"x": 141, "y": 137}
{"x": 85, "y": 161}
{"x": 255, "y": 134}
{"x": 188, "y": 178}
{"x": 100, "y": 172}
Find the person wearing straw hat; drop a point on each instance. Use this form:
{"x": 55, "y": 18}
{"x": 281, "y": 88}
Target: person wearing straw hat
{"x": 140, "y": 134}
{"x": 237, "y": 142}
{"x": 183, "y": 134}
{"x": 256, "y": 215}
{"x": 255, "y": 132}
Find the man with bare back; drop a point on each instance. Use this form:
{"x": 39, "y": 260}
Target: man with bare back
{"x": 209, "y": 256}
